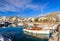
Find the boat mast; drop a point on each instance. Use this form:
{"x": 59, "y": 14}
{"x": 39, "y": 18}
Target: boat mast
{"x": 42, "y": 7}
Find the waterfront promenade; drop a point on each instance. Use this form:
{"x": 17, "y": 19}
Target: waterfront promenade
{"x": 55, "y": 37}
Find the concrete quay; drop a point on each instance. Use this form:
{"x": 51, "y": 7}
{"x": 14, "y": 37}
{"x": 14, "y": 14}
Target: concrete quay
{"x": 55, "y": 36}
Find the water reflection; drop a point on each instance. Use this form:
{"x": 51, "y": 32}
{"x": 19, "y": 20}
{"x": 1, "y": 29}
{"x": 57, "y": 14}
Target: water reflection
{"x": 14, "y": 25}
{"x": 15, "y": 32}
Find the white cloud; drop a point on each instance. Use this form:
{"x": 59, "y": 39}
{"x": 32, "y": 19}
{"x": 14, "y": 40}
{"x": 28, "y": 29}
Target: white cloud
{"x": 19, "y": 5}
{"x": 33, "y": 6}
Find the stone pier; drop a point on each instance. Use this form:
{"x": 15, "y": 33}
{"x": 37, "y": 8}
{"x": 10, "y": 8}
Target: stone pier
{"x": 55, "y": 37}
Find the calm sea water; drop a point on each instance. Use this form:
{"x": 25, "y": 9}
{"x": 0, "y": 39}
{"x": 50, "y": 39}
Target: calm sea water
{"x": 16, "y": 34}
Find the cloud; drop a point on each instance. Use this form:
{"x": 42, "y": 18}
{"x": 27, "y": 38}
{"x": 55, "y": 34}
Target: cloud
{"x": 17, "y": 5}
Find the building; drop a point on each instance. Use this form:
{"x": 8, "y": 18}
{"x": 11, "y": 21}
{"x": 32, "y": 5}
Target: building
{"x": 14, "y": 19}
{"x": 57, "y": 17}
{"x": 3, "y": 18}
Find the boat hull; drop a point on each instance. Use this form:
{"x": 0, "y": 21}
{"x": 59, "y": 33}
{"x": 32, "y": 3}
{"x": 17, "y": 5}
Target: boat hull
{"x": 37, "y": 34}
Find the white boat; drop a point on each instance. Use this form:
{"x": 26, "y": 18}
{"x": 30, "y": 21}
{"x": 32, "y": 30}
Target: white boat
{"x": 36, "y": 32}
{"x": 44, "y": 34}
{"x": 2, "y": 38}
{"x": 20, "y": 24}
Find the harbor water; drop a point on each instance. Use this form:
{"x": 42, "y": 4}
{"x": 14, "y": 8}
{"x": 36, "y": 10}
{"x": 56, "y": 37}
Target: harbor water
{"x": 16, "y": 34}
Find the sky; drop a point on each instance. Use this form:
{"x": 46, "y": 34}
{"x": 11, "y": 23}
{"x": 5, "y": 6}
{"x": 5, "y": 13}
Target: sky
{"x": 28, "y": 8}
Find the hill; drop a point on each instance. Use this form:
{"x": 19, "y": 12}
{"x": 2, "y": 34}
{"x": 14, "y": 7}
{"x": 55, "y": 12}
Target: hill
{"x": 54, "y": 14}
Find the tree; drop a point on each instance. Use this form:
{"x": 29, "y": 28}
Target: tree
{"x": 36, "y": 20}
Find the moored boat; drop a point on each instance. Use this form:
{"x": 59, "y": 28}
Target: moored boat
{"x": 44, "y": 34}
{"x": 3, "y": 38}
{"x": 20, "y": 24}
{"x": 39, "y": 31}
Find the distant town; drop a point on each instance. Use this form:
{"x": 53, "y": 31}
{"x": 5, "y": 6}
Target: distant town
{"x": 51, "y": 18}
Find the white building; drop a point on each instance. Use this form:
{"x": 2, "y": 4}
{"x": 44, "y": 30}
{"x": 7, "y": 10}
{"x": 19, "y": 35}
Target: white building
{"x": 3, "y": 18}
{"x": 31, "y": 19}
{"x": 13, "y": 19}
{"x": 57, "y": 17}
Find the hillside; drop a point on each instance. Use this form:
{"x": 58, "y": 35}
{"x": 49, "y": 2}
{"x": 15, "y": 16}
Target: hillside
{"x": 54, "y": 14}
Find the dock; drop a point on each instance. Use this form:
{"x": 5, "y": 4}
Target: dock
{"x": 55, "y": 37}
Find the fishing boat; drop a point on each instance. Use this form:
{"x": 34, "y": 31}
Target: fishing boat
{"x": 39, "y": 30}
